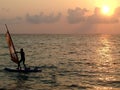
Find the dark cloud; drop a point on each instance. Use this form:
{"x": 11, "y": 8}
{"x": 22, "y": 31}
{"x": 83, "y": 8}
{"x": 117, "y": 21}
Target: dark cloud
{"x": 102, "y": 20}
{"x": 97, "y": 11}
{"x": 77, "y": 15}
{"x": 5, "y": 9}
{"x": 81, "y": 15}
{"x": 11, "y": 21}
{"x": 41, "y": 18}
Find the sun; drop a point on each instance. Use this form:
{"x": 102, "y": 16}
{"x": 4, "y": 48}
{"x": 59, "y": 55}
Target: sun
{"x": 107, "y": 6}
{"x": 105, "y": 9}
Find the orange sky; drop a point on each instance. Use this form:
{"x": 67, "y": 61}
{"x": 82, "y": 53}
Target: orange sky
{"x": 60, "y": 16}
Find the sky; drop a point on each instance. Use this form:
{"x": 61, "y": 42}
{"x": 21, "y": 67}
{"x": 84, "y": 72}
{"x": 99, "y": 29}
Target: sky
{"x": 60, "y": 16}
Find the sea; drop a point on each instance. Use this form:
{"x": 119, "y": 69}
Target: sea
{"x": 67, "y": 61}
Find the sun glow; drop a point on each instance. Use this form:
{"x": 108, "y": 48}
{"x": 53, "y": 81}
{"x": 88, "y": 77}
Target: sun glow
{"x": 105, "y": 9}
{"x": 107, "y": 6}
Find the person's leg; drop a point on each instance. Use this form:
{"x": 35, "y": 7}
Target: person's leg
{"x": 24, "y": 64}
{"x": 19, "y": 67}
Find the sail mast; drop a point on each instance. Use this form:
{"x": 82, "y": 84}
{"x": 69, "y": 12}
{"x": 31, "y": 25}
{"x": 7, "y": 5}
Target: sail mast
{"x": 6, "y": 27}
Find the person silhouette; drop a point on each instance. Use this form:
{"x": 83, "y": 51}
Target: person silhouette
{"x": 22, "y": 59}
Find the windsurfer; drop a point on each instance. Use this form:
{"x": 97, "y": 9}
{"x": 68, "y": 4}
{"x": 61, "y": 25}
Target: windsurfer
{"x": 22, "y": 59}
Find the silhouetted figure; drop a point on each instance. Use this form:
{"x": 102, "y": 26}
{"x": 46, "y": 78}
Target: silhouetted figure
{"x": 22, "y": 59}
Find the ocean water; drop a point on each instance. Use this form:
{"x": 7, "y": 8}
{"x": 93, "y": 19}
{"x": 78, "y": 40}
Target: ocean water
{"x": 68, "y": 62}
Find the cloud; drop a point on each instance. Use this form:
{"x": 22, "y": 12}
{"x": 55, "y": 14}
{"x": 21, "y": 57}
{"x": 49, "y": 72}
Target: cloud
{"x": 41, "y": 18}
{"x": 5, "y": 9}
{"x": 77, "y": 15}
{"x": 117, "y": 12}
{"x": 81, "y": 15}
{"x": 15, "y": 20}
{"x": 102, "y": 20}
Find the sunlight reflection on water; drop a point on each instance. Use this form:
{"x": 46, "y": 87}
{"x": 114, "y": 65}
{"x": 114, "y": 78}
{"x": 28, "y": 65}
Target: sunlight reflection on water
{"x": 105, "y": 63}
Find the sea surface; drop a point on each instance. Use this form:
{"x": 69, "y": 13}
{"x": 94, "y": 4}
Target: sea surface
{"x": 68, "y": 62}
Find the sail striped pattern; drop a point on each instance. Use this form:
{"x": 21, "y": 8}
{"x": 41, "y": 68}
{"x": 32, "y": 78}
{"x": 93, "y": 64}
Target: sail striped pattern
{"x": 13, "y": 54}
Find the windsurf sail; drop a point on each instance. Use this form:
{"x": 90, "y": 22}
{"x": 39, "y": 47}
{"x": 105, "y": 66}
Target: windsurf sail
{"x": 12, "y": 50}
